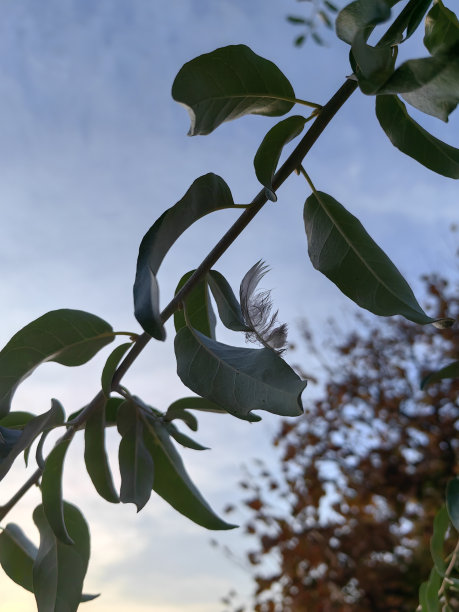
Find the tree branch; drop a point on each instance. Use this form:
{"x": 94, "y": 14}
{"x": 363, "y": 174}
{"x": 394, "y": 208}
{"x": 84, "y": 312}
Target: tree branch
{"x": 324, "y": 116}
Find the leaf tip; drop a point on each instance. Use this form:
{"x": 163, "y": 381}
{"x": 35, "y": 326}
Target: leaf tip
{"x": 443, "y": 323}
{"x": 270, "y": 194}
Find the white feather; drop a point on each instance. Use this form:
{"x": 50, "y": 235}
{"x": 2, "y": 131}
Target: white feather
{"x": 257, "y": 311}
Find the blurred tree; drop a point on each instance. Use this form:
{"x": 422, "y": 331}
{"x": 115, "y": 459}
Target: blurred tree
{"x": 312, "y": 19}
{"x": 348, "y": 517}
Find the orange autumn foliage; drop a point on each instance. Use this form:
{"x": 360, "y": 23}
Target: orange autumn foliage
{"x": 348, "y": 516}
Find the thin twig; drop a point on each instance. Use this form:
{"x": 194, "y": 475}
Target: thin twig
{"x": 449, "y": 569}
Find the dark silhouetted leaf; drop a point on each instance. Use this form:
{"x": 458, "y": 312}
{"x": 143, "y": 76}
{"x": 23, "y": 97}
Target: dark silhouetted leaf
{"x": 431, "y": 594}
{"x": 228, "y": 307}
{"x": 51, "y": 490}
{"x": 441, "y": 524}
{"x": 136, "y": 464}
{"x": 452, "y": 502}
{"x": 228, "y": 83}
{"x": 95, "y": 456}
{"x": 59, "y": 569}
{"x": 417, "y": 13}
{"x": 183, "y": 415}
{"x": 172, "y": 482}
{"x": 374, "y": 65}
{"x": 8, "y": 439}
{"x": 269, "y": 152}
{"x": 449, "y": 371}
{"x": 195, "y": 403}
{"x": 340, "y": 248}
{"x": 183, "y": 439}
{"x": 430, "y": 84}
{"x": 331, "y": 7}
{"x": 442, "y": 30}
{"x": 17, "y": 419}
{"x": 237, "y": 379}
{"x": 361, "y": 15}
{"x": 296, "y": 20}
{"x": 34, "y": 427}
{"x": 207, "y": 194}
{"x": 110, "y": 366}
{"x": 299, "y": 40}
{"x": 198, "y": 307}
{"x": 17, "y": 554}
{"x": 68, "y": 337}
{"x": 415, "y": 141}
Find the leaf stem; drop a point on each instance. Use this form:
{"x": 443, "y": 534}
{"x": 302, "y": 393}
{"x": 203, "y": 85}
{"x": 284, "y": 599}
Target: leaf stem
{"x": 20, "y": 493}
{"x": 308, "y": 178}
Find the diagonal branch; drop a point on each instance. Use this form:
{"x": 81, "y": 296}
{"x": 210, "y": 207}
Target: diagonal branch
{"x": 292, "y": 163}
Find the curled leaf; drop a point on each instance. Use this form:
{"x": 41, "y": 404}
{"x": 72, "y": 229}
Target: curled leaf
{"x": 257, "y": 311}
{"x": 207, "y": 194}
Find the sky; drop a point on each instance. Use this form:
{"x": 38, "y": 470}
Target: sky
{"x": 92, "y": 150}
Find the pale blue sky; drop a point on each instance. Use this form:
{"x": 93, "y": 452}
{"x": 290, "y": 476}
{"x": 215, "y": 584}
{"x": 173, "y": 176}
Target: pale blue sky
{"x": 92, "y": 150}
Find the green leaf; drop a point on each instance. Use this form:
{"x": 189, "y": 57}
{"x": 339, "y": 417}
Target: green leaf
{"x": 228, "y": 307}
{"x": 440, "y": 527}
{"x": 51, "y": 490}
{"x": 228, "y": 83}
{"x": 374, "y": 65}
{"x": 449, "y": 371}
{"x": 340, "y": 248}
{"x": 442, "y": 30}
{"x": 35, "y": 426}
{"x": 110, "y": 366}
{"x": 269, "y": 152}
{"x": 433, "y": 585}
{"x": 179, "y": 413}
{"x": 95, "y": 456}
{"x": 325, "y": 19}
{"x": 430, "y": 84}
{"x": 8, "y": 439}
{"x": 437, "y": 92}
{"x": 417, "y": 13}
{"x": 17, "y": 554}
{"x": 59, "y": 569}
{"x": 361, "y": 15}
{"x": 198, "y": 307}
{"x": 422, "y": 597}
{"x": 68, "y": 337}
{"x": 452, "y": 501}
{"x": 415, "y": 141}
{"x": 331, "y": 7}
{"x": 136, "y": 464}
{"x": 299, "y": 40}
{"x": 237, "y": 379}
{"x": 296, "y": 20}
{"x": 17, "y": 419}
{"x": 196, "y": 403}
{"x": 172, "y": 482}
{"x": 183, "y": 439}
{"x": 207, "y": 194}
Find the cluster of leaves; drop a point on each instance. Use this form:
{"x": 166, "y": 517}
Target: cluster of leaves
{"x": 216, "y": 87}
{"x": 321, "y": 13}
{"x": 347, "y": 517}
